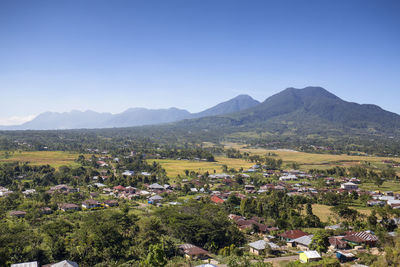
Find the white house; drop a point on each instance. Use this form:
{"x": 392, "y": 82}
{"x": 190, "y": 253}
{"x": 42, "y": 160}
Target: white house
{"x": 349, "y": 186}
{"x": 289, "y": 177}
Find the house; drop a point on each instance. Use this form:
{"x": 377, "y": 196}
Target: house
{"x": 119, "y": 188}
{"x": 302, "y": 242}
{"x": 337, "y": 242}
{"x": 309, "y": 256}
{"x": 110, "y": 203}
{"x": 291, "y": 235}
{"x": 288, "y": 177}
{"x": 18, "y": 213}
{"x": 128, "y": 173}
{"x": 333, "y": 227}
{"x": 365, "y": 238}
{"x": 90, "y": 204}
{"x": 395, "y": 203}
{"x": 62, "y": 188}
{"x": 101, "y": 163}
{"x": 249, "y": 187}
{"x": 258, "y": 247}
{"x": 349, "y": 186}
{"x": 64, "y": 263}
{"x": 194, "y": 252}
{"x": 355, "y": 180}
{"x": 219, "y": 176}
{"x": 155, "y": 199}
{"x": 156, "y": 187}
{"x": 345, "y": 256}
{"x": 68, "y": 207}
{"x": 4, "y": 192}
{"x": 26, "y": 264}
{"x": 29, "y": 192}
{"x": 217, "y": 199}
{"x": 46, "y": 210}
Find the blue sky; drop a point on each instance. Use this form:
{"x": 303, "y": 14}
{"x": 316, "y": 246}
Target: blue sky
{"x": 112, "y": 55}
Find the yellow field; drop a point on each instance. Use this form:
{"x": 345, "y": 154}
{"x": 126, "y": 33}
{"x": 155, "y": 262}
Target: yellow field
{"x": 53, "y": 158}
{"x": 175, "y": 167}
{"x": 314, "y": 161}
{"x": 324, "y": 212}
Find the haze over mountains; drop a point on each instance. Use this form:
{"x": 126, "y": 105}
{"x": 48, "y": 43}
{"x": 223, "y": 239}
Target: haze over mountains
{"x": 129, "y": 118}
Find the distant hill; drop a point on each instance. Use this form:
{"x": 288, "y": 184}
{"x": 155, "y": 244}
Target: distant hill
{"x": 143, "y": 116}
{"x": 239, "y": 103}
{"x": 129, "y": 118}
{"x": 64, "y": 120}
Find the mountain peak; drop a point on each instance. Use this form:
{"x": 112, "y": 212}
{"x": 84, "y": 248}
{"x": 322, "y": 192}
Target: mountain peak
{"x": 236, "y": 104}
{"x": 311, "y": 91}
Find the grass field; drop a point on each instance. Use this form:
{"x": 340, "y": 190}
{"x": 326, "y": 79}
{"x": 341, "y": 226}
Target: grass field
{"x": 386, "y": 186}
{"x": 324, "y": 212}
{"x": 53, "y": 158}
{"x": 315, "y": 161}
{"x": 175, "y": 167}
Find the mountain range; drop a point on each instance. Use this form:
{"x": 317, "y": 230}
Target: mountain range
{"x": 311, "y": 111}
{"x": 129, "y": 118}
{"x": 302, "y": 112}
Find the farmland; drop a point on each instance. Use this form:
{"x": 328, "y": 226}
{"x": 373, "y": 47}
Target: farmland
{"x": 53, "y": 158}
{"x": 314, "y": 160}
{"x": 178, "y": 167}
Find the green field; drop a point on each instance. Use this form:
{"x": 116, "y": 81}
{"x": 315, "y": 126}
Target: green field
{"x": 386, "y": 186}
{"x": 315, "y": 161}
{"x": 53, "y": 158}
{"x": 324, "y": 212}
{"x": 175, "y": 167}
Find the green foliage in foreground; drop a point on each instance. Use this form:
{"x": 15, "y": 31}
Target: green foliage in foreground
{"x": 115, "y": 237}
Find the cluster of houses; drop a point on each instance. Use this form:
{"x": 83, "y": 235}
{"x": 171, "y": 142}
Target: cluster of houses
{"x": 301, "y": 241}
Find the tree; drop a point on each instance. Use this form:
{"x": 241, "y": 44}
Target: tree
{"x": 156, "y": 256}
{"x": 372, "y": 220}
{"x": 309, "y": 209}
{"x": 345, "y": 212}
{"x": 378, "y": 181}
{"x": 320, "y": 241}
{"x": 244, "y": 206}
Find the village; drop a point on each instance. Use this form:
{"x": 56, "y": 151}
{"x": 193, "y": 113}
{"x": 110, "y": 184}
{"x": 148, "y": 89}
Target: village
{"x": 269, "y": 240}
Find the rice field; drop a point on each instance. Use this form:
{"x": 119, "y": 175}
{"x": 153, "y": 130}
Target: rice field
{"x": 315, "y": 161}
{"x": 53, "y": 158}
{"x": 324, "y": 212}
{"x": 178, "y": 167}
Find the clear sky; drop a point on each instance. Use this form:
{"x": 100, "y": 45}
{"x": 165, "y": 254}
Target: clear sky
{"x": 192, "y": 54}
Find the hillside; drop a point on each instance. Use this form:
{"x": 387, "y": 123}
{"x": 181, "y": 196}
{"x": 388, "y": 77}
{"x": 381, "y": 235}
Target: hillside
{"x": 129, "y": 118}
{"x": 239, "y": 103}
{"x": 312, "y": 110}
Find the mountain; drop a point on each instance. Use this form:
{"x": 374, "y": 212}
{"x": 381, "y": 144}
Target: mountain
{"x": 65, "y": 120}
{"x": 129, "y": 118}
{"x": 316, "y": 105}
{"x": 143, "y": 116}
{"x": 301, "y": 113}
{"x": 241, "y": 102}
